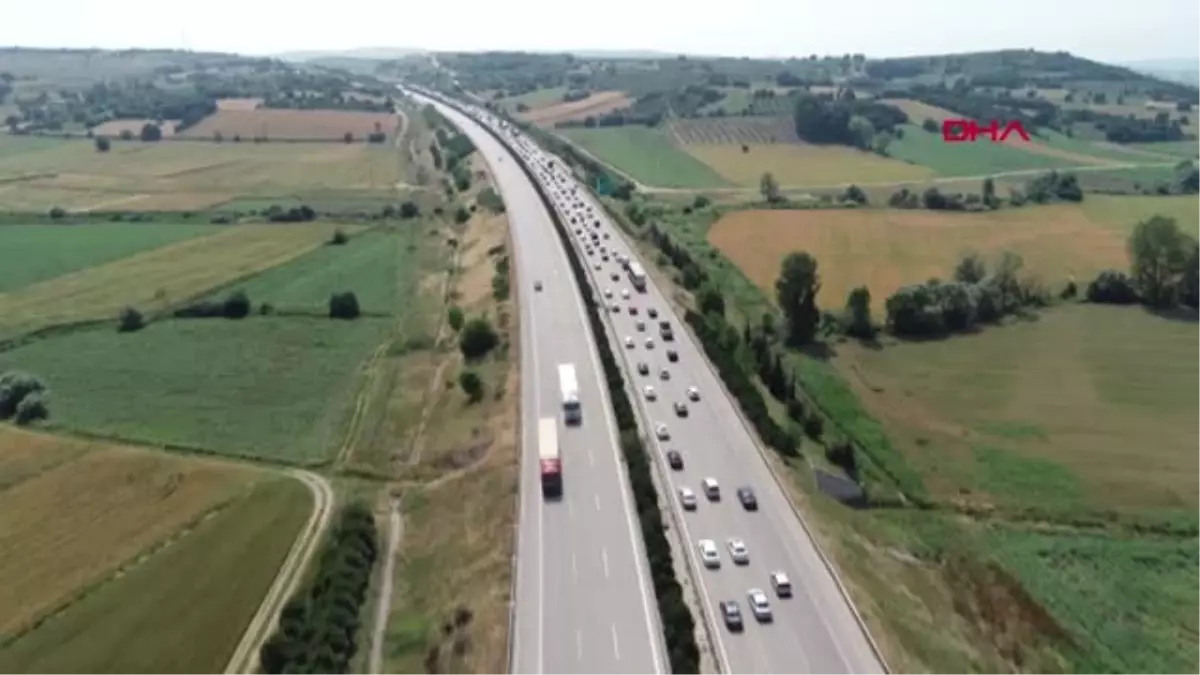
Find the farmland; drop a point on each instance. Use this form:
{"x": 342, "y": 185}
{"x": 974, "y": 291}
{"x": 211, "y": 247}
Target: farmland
{"x": 309, "y": 125}
{"x": 754, "y": 130}
{"x": 599, "y": 103}
{"x": 646, "y": 155}
{"x": 802, "y": 164}
{"x": 157, "y": 279}
{"x": 37, "y": 174}
{"x": 85, "y": 527}
{"x": 32, "y": 253}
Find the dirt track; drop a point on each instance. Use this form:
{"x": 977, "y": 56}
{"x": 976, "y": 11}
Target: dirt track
{"x": 245, "y": 657}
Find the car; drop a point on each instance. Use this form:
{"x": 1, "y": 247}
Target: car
{"x": 709, "y": 553}
{"x": 652, "y": 312}
{"x": 605, "y": 259}
{"x": 596, "y": 267}
{"x": 606, "y": 235}
{"x": 633, "y": 310}
{"x": 745, "y": 495}
{"x": 687, "y": 499}
{"x": 641, "y": 326}
{"x": 616, "y": 277}
{"x": 712, "y": 489}
{"x": 664, "y": 374}
{"x": 625, "y": 293}
{"x": 732, "y": 614}
{"x": 628, "y": 340}
{"x": 537, "y": 285}
{"x": 643, "y": 369}
{"x": 738, "y": 551}
{"x": 661, "y": 431}
{"x": 615, "y": 308}
{"x": 675, "y": 460}
{"x": 681, "y": 409}
{"x": 608, "y": 292}
{"x": 649, "y": 343}
{"x": 759, "y": 605}
{"x": 591, "y": 252}
{"x": 781, "y": 584}
{"x": 672, "y": 355}
{"x": 650, "y": 393}
{"x": 693, "y": 393}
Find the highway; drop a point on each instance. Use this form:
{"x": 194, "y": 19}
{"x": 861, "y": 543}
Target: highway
{"x": 584, "y": 601}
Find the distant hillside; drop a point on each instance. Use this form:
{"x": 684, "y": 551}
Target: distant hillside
{"x": 361, "y": 53}
{"x": 1184, "y": 71}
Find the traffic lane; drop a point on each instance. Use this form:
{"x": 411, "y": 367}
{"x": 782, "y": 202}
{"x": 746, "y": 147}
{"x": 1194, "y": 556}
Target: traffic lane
{"x": 631, "y": 645}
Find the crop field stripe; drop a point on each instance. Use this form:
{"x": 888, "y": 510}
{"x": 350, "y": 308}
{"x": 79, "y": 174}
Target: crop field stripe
{"x": 647, "y": 155}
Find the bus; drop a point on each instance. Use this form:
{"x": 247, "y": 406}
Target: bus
{"x": 549, "y": 458}
{"x": 637, "y": 276}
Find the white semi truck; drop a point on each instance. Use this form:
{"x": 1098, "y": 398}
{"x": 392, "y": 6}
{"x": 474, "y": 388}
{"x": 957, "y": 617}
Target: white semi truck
{"x": 572, "y": 411}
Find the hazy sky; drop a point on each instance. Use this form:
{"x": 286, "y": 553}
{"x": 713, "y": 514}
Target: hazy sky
{"x": 1101, "y": 29}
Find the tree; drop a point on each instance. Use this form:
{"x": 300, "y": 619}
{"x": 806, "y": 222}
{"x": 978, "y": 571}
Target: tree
{"x": 461, "y": 215}
{"x": 237, "y": 305}
{"x": 989, "y": 193}
{"x": 472, "y": 385}
{"x": 1111, "y": 287}
{"x": 455, "y": 318}
{"x": 796, "y": 290}
{"x": 929, "y": 125}
{"x": 343, "y": 305}
{"x": 477, "y": 338}
{"x": 32, "y": 407}
{"x": 103, "y": 144}
{"x": 769, "y": 188}
{"x": 862, "y": 132}
{"x": 1004, "y": 279}
{"x": 855, "y": 195}
{"x": 15, "y": 387}
{"x": 1158, "y": 252}
{"x": 971, "y": 269}
{"x": 711, "y": 301}
{"x": 858, "y": 314}
{"x": 348, "y": 137}
{"x": 130, "y": 320}
{"x": 339, "y": 238}
{"x": 1189, "y": 285}
{"x": 409, "y": 209}
{"x": 151, "y": 132}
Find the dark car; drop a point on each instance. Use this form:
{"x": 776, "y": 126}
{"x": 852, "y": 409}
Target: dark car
{"x": 616, "y": 277}
{"x": 675, "y": 460}
{"x": 633, "y": 310}
{"x": 681, "y": 409}
{"x": 643, "y": 369}
{"x": 653, "y": 313}
{"x": 732, "y": 614}
{"x": 746, "y": 497}
{"x": 672, "y": 355}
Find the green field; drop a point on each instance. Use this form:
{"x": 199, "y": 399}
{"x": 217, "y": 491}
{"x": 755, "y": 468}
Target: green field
{"x": 646, "y": 155}
{"x": 32, "y": 253}
{"x": 373, "y": 265}
{"x": 1053, "y": 139}
{"x": 967, "y": 159}
{"x": 270, "y": 387}
{"x": 1184, "y": 149}
{"x": 184, "y": 609}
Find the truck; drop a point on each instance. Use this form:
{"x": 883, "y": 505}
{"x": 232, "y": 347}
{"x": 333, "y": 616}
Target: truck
{"x": 572, "y": 411}
{"x": 637, "y": 276}
{"x": 549, "y": 458}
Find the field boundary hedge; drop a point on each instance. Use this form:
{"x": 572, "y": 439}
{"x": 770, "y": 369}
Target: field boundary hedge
{"x": 675, "y": 616}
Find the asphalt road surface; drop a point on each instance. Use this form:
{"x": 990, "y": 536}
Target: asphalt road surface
{"x": 584, "y": 599}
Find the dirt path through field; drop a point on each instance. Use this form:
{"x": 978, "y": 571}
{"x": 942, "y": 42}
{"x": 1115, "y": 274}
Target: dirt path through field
{"x": 245, "y": 657}
{"x": 395, "y": 536}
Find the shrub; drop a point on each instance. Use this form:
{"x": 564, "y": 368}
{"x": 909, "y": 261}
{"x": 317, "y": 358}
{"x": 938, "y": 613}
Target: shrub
{"x": 15, "y": 387}
{"x": 102, "y": 144}
{"x": 471, "y": 385}
{"x": 129, "y": 320}
{"x": 32, "y": 407}
{"x": 338, "y": 238}
{"x": 461, "y": 215}
{"x": 236, "y": 305}
{"x": 343, "y": 305}
{"x": 477, "y": 338}
{"x": 58, "y": 213}
{"x": 409, "y": 209}
{"x": 1112, "y": 287}
{"x": 841, "y": 453}
{"x": 455, "y": 317}
{"x": 814, "y": 426}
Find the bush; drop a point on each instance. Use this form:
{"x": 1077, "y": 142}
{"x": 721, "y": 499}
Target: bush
{"x": 130, "y": 320}
{"x": 461, "y": 215}
{"x": 471, "y": 385}
{"x": 477, "y": 339}
{"x": 409, "y": 209}
{"x": 814, "y": 426}
{"x": 58, "y": 213}
{"x": 343, "y": 305}
{"x": 339, "y": 238}
{"x": 454, "y": 317}
{"x": 102, "y": 144}
{"x": 1112, "y": 287}
{"x": 15, "y": 387}
{"x": 700, "y": 202}
{"x": 236, "y": 305}
{"x": 32, "y": 407}
{"x": 841, "y": 453}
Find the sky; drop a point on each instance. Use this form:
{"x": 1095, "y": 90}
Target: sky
{"x": 1103, "y": 30}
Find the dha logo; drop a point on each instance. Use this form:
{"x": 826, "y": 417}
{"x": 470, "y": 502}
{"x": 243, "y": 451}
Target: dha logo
{"x": 968, "y": 131}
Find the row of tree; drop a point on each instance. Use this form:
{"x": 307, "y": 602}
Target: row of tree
{"x": 318, "y": 627}
{"x": 846, "y": 120}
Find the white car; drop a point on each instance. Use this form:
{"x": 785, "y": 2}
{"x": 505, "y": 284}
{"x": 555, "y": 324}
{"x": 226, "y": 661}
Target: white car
{"x": 641, "y": 326}
{"x": 759, "y": 604}
{"x": 650, "y": 394}
{"x": 625, "y": 293}
{"x": 664, "y": 374}
{"x": 738, "y": 551}
{"x": 687, "y": 499}
{"x": 781, "y": 584}
{"x": 649, "y": 343}
{"x": 608, "y": 292}
{"x": 660, "y": 430}
{"x": 628, "y": 340}
{"x": 709, "y": 553}
{"x": 596, "y": 266}
{"x": 694, "y": 393}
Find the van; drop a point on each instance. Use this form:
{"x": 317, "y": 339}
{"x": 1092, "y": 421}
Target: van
{"x": 711, "y": 489}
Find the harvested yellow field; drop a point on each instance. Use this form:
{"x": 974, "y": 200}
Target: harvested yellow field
{"x": 886, "y": 249}
{"x": 801, "y": 164}
{"x": 77, "y": 511}
{"x": 238, "y": 103}
{"x": 599, "y": 103}
{"x": 292, "y": 124}
{"x": 113, "y": 128}
{"x": 917, "y": 111}
{"x": 157, "y": 279}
